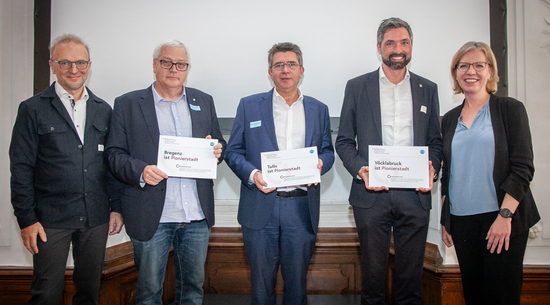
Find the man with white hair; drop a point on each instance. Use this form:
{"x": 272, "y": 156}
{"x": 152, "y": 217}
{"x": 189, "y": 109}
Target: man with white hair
{"x": 162, "y": 211}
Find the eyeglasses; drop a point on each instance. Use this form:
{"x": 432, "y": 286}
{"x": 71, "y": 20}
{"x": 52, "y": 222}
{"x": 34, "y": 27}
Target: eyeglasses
{"x": 478, "y": 66}
{"x": 166, "y": 64}
{"x": 280, "y": 65}
{"x": 66, "y": 64}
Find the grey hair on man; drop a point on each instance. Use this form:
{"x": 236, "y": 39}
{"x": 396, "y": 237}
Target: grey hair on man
{"x": 170, "y": 44}
{"x": 392, "y": 23}
{"x": 284, "y": 47}
{"x": 66, "y": 38}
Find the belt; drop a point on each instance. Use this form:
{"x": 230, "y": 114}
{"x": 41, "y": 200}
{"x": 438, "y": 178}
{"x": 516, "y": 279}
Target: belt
{"x": 294, "y": 193}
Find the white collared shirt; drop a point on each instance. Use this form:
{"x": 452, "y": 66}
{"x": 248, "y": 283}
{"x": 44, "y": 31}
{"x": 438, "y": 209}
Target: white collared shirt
{"x": 396, "y": 111}
{"x": 78, "y": 112}
{"x": 290, "y": 122}
{"x": 290, "y": 127}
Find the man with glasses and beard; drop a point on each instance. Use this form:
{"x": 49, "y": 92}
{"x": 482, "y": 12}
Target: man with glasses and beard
{"x": 163, "y": 211}
{"x": 394, "y": 107}
{"x": 61, "y": 190}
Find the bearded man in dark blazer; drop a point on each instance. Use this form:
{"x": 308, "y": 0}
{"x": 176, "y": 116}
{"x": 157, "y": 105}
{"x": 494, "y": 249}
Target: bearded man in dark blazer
{"x": 395, "y": 107}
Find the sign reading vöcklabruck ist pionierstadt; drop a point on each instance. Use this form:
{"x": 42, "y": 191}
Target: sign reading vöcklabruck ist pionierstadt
{"x": 187, "y": 157}
{"x": 399, "y": 166}
{"x": 290, "y": 167}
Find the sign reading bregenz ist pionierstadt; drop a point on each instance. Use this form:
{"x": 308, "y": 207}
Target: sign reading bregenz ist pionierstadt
{"x": 399, "y": 166}
{"x": 187, "y": 157}
{"x": 290, "y": 167}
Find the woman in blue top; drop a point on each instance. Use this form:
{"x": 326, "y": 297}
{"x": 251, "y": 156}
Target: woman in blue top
{"x": 488, "y": 207}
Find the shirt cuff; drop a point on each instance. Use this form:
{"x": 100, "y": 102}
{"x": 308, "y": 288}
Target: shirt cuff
{"x": 359, "y": 177}
{"x": 251, "y": 177}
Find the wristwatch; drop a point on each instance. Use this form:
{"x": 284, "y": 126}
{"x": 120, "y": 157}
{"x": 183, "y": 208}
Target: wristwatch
{"x": 506, "y": 213}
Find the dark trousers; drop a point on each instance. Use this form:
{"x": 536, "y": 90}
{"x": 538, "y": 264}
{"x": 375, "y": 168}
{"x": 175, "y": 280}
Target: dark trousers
{"x": 487, "y": 278}
{"x": 401, "y": 210}
{"x": 51, "y": 260}
{"x": 288, "y": 240}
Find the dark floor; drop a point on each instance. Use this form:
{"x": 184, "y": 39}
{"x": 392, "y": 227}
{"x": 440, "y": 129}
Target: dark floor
{"x": 244, "y": 299}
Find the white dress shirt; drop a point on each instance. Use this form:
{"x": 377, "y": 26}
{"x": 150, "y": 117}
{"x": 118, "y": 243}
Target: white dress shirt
{"x": 290, "y": 122}
{"x": 290, "y": 127}
{"x": 76, "y": 112}
{"x": 396, "y": 111}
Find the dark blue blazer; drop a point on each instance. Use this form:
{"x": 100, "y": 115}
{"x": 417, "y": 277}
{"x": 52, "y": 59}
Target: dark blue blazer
{"x": 133, "y": 144}
{"x": 55, "y": 179}
{"x": 246, "y": 144}
{"x": 361, "y": 126}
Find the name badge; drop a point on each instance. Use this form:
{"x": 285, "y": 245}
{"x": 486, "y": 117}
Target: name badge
{"x": 255, "y": 124}
{"x": 195, "y": 107}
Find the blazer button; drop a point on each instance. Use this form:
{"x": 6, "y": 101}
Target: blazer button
{"x": 52, "y": 128}
{"x": 79, "y": 145}
{"x": 81, "y": 218}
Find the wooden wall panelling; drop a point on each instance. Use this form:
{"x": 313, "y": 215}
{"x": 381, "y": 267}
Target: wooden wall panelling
{"x": 335, "y": 269}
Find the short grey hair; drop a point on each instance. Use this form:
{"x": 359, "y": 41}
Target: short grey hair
{"x": 170, "y": 44}
{"x": 392, "y": 23}
{"x": 66, "y": 38}
{"x": 284, "y": 47}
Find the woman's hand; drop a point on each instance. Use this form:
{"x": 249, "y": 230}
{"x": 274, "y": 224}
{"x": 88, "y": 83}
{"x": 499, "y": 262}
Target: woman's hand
{"x": 446, "y": 237}
{"x": 499, "y": 234}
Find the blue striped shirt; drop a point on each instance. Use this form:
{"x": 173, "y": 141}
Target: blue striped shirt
{"x": 181, "y": 203}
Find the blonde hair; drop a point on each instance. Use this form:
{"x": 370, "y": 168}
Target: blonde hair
{"x": 491, "y": 86}
{"x": 67, "y": 38}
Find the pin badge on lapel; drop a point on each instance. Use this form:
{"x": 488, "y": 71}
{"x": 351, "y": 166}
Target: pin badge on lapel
{"x": 423, "y": 109}
{"x": 420, "y": 85}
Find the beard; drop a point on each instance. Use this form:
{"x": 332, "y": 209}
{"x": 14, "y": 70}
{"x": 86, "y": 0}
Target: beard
{"x": 396, "y": 65}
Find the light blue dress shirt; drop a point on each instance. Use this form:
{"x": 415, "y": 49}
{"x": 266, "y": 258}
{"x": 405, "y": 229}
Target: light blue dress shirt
{"x": 181, "y": 203}
{"x": 471, "y": 185}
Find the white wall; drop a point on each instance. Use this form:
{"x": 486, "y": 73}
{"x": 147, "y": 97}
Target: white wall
{"x": 228, "y": 43}
{"x": 529, "y": 62}
{"x": 229, "y": 40}
{"x": 16, "y": 81}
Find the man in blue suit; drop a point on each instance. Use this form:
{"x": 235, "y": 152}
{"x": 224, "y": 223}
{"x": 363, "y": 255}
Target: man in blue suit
{"x": 163, "y": 211}
{"x": 390, "y": 106}
{"x": 279, "y": 225}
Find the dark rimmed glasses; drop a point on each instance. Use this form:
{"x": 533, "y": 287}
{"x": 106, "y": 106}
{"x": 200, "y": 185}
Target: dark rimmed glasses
{"x": 166, "y": 64}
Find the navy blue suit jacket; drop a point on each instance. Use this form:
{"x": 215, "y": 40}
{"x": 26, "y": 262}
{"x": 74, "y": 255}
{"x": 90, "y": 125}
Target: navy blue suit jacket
{"x": 55, "y": 178}
{"x": 361, "y": 126}
{"x": 247, "y": 142}
{"x": 133, "y": 144}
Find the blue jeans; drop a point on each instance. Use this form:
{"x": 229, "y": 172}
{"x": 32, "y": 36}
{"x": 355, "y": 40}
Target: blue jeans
{"x": 190, "y": 241}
